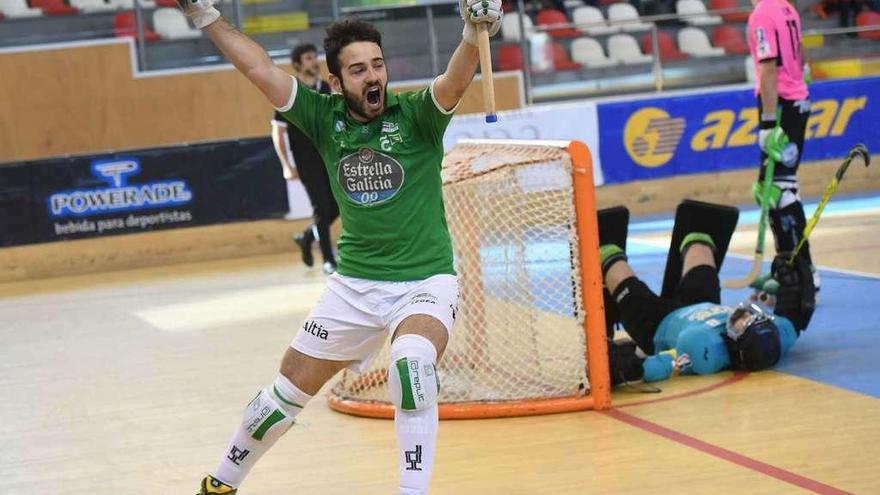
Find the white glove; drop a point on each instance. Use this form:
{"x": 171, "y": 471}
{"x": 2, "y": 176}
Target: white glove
{"x": 477, "y": 11}
{"x": 202, "y": 12}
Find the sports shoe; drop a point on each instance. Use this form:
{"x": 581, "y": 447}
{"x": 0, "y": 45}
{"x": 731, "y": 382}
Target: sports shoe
{"x": 213, "y": 486}
{"x": 306, "y": 248}
{"x": 329, "y": 268}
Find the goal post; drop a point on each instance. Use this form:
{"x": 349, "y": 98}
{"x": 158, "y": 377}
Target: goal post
{"x": 529, "y": 336}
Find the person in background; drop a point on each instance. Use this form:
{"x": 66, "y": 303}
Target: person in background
{"x": 300, "y": 160}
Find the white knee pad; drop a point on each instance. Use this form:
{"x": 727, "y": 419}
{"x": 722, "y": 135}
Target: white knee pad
{"x": 788, "y": 193}
{"x": 412, "y": 376}
{"x": 273, "y": 410}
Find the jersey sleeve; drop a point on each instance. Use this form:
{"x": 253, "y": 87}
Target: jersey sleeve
{"x": 429, "y": 116}
{"x": 278, "y": 118}
{"x": 763, "y": 36}
{"x": 308, "y": 110}
{"x": 706, "y": 349}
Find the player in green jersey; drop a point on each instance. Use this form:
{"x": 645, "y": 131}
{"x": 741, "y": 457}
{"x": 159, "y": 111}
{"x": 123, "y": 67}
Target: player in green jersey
{"x": 383, "y": 153}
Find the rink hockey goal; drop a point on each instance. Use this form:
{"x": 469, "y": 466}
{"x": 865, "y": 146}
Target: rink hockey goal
{"x": 529, "y": 337}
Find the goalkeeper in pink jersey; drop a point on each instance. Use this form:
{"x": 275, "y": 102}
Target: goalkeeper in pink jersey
{"x": 774, "y": 33}
{"x": 395, "y": 277}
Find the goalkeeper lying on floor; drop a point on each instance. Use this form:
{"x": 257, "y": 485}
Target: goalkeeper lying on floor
{"x": 686, "y": 330}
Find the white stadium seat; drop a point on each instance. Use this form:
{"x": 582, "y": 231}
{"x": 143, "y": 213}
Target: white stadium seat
{"x": 18, "y": 8}
{"x": 695, "y": 43}
{"x": 696, "y": 11}
{"x": 589, "y": 53}
{"x": 171, "y": 24}
{"x": 592, "y": 15}
{"x": 510, "y": 26}
{"x": 626, "y": 17}
{"x": 625, "y": 49}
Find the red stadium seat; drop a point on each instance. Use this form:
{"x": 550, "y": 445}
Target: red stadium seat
{"x": 868, "y": 18}
{"x": 54, "y": 7}
{"x": 548, "y": 17}
{"x": 561, "y": 60}
{"x": 166, "y": 3}
{"x": 729, "y": 4}
{"x": 668, "y": 50}
{"x": 124, "y": 25}
{"x": 510, "y": 57}
{"x": 731, "y": 39}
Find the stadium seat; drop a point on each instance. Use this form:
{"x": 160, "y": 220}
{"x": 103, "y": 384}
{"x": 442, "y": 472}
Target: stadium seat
{"x": 561, "y": 60}
{"x": 509, "y": 25}
{"x": 695, "y": 43}
{"x": 729, "y": 4}
{"x": 592, "y": 15}
{"x": 92, "y": 6}
{"x": 550, "y": 17}
{"x": 171, "y": 24}
{"x": 18, "y": 8}
{"x": 696, "y": 12}
{"x": 624, "y": 48}
{"x": 868, "y": 18}
{"x": 54, "y": 7}
{"x": 668, "y": 50}
{"x": 171, "y": 3}
{"x": 510, "y": 57}
{"x": 129, "y": 4}
{"x": 731, "y": 39}
{"x": 589, "y": 53}
{"x": 124, "y": 25}
{"x": 626, "y": 17}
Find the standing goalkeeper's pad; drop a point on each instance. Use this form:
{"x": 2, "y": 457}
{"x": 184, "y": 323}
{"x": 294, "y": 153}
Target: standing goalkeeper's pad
{"x": 719, "y": 221}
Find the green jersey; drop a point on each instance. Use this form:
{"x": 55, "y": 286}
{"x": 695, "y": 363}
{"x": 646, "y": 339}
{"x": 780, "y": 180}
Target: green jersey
{"x": 385, "y": 176}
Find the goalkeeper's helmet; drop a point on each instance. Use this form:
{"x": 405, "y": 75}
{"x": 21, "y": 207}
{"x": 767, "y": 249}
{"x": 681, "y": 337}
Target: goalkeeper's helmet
{"x": 752, "y": 338}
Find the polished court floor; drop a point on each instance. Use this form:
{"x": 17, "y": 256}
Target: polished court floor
{"x": 131, "y": 382}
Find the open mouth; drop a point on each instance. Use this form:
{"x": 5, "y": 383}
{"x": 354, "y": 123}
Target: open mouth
{"x": 374, "y": 97}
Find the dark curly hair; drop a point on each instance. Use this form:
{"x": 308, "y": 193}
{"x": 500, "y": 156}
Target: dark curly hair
{"x": 300, "y": 50}
{"x": 341, "y": 34}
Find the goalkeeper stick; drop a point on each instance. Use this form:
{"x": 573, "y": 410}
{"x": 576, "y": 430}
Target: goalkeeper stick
{"x": 858, "y": 150}
{"x": 769, "y": 167}
{"x": 486, "y": 72}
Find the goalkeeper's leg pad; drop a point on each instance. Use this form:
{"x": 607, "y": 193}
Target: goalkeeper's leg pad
{"x": 716, "y": 221}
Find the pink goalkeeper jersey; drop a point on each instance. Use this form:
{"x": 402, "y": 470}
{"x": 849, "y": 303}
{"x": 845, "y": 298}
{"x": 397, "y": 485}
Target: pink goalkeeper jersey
{"x": 775, "y": 34}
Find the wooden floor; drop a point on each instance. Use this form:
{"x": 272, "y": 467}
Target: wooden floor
{"x": 131, "y": 382}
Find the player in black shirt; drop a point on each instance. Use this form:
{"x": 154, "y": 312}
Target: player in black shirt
{"x": 300, "y": 160}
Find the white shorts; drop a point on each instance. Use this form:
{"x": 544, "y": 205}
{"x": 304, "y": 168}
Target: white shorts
{"x": 354, "y": 317}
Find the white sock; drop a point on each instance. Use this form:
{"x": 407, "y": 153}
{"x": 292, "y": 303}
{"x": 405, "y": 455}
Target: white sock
{"x": 416, "y": 429}
{"x": 266, "y": 418}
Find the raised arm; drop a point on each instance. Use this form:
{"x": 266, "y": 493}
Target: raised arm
{"x": 244, "y": 53}
{"x": 451, "y": 85}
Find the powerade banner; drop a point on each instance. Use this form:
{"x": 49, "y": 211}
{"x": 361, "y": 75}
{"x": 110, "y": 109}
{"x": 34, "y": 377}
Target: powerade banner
{"x": 711, "y": 132}
{"x": 80, "y": 197}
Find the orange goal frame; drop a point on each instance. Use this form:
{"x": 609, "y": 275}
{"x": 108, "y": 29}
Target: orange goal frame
{"x": 599, "y": 396}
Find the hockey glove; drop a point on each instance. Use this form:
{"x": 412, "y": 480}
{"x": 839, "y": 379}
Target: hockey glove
{"x": 772, "y": 139}
{"x": 474, "y": 12}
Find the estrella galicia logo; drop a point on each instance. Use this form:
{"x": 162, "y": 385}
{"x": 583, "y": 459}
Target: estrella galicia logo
{"x": 119, "y": 195}
{"x": 651, "y": 136}
{"x": 370, "y": 177}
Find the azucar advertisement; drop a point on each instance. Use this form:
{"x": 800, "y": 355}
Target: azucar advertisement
{"x": 93, "y": 196}
{"x": 715, "y": 131}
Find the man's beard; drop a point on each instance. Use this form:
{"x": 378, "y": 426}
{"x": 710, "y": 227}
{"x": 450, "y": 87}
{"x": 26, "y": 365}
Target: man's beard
{"x": 358, "y": 104}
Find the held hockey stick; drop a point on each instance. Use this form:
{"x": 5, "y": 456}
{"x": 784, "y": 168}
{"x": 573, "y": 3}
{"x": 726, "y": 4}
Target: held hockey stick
{"x": 859, "y": 151}
{"x": 769, "y": 166}
{"x": 486, "y": 72}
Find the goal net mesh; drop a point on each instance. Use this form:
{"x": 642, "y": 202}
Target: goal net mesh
{"x": 519, "y": 331}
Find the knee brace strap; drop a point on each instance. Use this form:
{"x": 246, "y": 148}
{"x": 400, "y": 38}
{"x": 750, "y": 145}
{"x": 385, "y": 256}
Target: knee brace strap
{"x": 412, "y": 376}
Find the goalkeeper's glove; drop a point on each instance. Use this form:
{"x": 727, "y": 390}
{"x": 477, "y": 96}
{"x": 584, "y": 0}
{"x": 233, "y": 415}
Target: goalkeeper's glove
{"x": 202, "y": 12}
{"x": 474, "y": 12}
{"x": 772, "y": 139}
